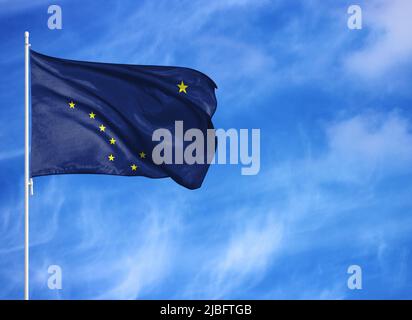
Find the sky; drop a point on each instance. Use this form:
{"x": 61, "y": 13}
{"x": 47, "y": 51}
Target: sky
{"x": 333, "y": 106}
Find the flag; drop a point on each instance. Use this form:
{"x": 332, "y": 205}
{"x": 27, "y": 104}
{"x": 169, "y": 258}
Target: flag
{"x": 99, "y": 118}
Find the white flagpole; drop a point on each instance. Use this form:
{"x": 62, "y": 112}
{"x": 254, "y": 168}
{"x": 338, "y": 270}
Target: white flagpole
{"x": 27, "y": 180}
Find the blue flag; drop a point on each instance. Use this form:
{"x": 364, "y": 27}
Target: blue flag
{"x": 99, "y": 118}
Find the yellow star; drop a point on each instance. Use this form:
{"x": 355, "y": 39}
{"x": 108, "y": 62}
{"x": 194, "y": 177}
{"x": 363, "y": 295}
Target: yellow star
{"x": 182, "y": 87}
{"x": 134, "y": 167}
{"x": 92, "y": 115}
{"x": 71, "y": 104}
{"x": 112, "y": 141}
{"x": 111, "y": 157}
{"x": 102, "y": 128}
{"x": 142, "y": 155}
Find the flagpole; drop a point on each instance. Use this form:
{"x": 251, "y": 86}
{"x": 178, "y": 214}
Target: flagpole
{"x": 26, "y": 165}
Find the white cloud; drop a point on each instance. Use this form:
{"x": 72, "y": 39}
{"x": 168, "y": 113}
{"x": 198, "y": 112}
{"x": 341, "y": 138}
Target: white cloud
{"x": 127, "y": 259}
{"x": 241, "y": 258}
{"x": 145, "y": 261}
{"x": 17, "y": 6}
{"x": 368, "y": 141}
{"x": 329, "y": 202}
{"x": 46, "y": 224}
{"x": 358, "y": 150}
{"x": 390, "y": 43}
{"x": 306, "y": 201}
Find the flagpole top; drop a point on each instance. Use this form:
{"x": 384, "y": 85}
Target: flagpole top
{"x": 26, "y": 37}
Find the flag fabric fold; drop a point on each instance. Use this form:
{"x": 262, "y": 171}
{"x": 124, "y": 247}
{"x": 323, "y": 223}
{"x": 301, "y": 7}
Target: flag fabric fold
{"x": 99, "y": 118}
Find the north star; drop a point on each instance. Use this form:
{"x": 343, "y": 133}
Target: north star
{"x": 177, "y": 310}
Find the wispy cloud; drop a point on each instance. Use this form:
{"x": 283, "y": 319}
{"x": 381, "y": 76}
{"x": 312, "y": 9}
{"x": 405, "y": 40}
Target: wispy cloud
{"x": 18, "y": 6}
{"x": 337, "y": 195}
{"x": 240, "y": 259}
{"x": 298, "y": 224}
{"x": 390, "y": 44}
{"x": 120, "y": 251}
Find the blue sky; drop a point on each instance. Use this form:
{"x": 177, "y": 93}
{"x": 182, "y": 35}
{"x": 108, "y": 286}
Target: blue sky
{"x": 333, "y": 106}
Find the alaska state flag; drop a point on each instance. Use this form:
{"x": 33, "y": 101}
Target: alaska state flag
{"x": 98, "y": 118}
